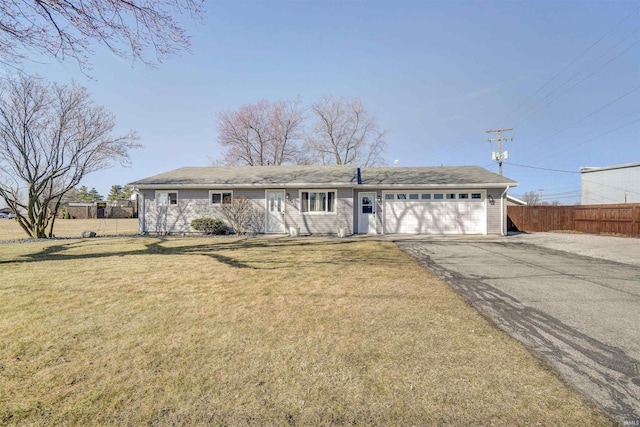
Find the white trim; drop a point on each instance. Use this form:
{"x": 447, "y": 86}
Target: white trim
{"x": 318, "y": 190}
{"x": 167, "y": 192}
{"x": 266, "y": 210}
{"x": 374, "y": 206}
{"x": 503, "y": 213}
{"x": 311, "y": 186}
{"x": 220, "y": 191}
{"x": 483, "y": 200}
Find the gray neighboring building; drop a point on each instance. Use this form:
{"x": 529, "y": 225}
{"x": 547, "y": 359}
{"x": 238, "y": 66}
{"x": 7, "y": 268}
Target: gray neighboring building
{"x": 324, "y": 199}
{"x": 610, "y": 185}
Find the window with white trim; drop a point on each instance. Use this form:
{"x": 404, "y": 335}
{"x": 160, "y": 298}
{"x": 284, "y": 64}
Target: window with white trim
{"x": 166, "y": 198}
{"x": 219, "y": 197}
{"x": 318, "y": 201}
{"x": 476, "y": 195}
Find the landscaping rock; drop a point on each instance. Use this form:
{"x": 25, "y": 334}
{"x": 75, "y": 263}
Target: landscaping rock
{"x": 87, "y": 234}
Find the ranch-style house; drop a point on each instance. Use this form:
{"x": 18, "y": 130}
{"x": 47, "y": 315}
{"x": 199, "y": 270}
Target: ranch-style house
{"x": 325, "y": 199}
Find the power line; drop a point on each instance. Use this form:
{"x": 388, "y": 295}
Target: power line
{"x": 516, "y": 122}
{"x": 567, "y": 66}
{"x": 591, "y": 139}
{"x": 586, "y": 117}
{"x": 544, "y": 169}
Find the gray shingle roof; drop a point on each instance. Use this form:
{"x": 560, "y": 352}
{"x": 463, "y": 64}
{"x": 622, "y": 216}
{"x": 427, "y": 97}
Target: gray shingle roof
{"x": 433, "y": 176}
{"x": 252, "y": 176}
{"x": 319, "y": 176}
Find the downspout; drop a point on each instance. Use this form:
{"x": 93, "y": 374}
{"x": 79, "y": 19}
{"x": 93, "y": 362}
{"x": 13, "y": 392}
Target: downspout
{"x": 142, "y": 226}
{"x": 503, "y": 212}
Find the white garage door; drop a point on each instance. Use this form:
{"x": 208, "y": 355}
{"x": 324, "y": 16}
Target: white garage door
{"x": 462, "y": 212}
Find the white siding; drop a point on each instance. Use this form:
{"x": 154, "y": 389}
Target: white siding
{"x": 191, "y": 204}
{"x": 496, "y": 212}
{"x": 611, "y": 185}
{"x": 195, "y": 204}
{"x": 320, "y": 223}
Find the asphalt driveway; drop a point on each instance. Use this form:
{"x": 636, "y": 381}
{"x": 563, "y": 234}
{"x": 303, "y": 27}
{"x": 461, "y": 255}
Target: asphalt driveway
{"x": 573, "y": 299}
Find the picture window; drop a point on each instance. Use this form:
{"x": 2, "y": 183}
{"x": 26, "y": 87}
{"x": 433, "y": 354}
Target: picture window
{"x": 319, "y": 201}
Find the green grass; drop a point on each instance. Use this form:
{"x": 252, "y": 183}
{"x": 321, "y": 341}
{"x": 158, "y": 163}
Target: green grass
{"x": 222, "y": 331}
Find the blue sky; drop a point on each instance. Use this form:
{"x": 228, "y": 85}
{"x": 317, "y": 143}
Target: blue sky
{"x": 436, "y": 74}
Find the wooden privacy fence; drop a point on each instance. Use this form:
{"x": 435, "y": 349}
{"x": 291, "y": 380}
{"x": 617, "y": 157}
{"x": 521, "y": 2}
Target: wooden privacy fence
{"x": 598, "y": 219}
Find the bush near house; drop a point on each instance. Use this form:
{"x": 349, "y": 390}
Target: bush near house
{"x": 209, "y": 225}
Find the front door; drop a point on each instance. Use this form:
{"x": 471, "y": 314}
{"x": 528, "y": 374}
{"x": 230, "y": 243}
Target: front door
{"x": 275, "y": 211}
{"x": 367, "y": 213}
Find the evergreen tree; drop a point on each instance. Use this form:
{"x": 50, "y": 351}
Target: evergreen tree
{"x": 94, "y": 196}
{"x": 115, "y": 193}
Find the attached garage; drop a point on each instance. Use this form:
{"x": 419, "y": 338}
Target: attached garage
{"x": 432, "y": 200}
{"x": 452, "y": 200}
{"x": 411, "y": 212}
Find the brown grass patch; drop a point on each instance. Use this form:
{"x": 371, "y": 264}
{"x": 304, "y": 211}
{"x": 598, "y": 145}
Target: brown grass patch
{"x": 259, "y": 331}
{"x": 10, "y": 230}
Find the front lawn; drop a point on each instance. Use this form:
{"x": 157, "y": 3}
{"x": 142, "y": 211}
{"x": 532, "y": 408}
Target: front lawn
{"x": 259, "y": 331}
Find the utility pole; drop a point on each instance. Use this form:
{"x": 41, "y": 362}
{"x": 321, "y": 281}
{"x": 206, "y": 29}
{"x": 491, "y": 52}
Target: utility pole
{"x": 500, "y": 155}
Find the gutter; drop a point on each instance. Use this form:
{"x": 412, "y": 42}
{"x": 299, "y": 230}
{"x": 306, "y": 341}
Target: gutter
{"x": 162, "y": 186}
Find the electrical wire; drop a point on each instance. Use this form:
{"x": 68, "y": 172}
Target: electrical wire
{"x": 585, "y": 117}
{"x": 527, "y": 117}
{"x": 539, "y": 168}
{"x": 566, "y": 67}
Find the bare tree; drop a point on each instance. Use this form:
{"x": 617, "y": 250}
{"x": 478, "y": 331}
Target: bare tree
{"x": 242, "y": 215}
{"x": 62, "y": 29}
{"x": 345, "y": 133}
{"x": 265, "y": 133}
{"x": 532, "y": 198}
{"x": 51, "y": 136}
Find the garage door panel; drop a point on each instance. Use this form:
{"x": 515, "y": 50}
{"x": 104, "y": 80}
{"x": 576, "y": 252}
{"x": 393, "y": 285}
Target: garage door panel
{"x": 434, "y": 216}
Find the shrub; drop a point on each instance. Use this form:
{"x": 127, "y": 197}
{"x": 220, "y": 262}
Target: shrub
{"x": 242, "y": 215}
{"x": 209, "y": 225}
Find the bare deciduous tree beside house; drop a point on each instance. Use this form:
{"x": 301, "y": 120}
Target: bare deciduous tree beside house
{"x": 51, "y": 136}
{"x": 242, "y": 215}
{"x": 69, "y": 29}
{"x": 344, "y": 132}
{"x": 265, "y": 133}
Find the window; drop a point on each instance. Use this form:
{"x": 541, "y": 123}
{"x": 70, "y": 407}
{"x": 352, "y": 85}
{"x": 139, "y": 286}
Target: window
{"x": 413, "y": 196}
{"x": 318, "y": 201}
{"x": 438, "y": 196}
{"x": 389, "y": 196}
{"x": 402, "y": 196}
{"x": 426, "y": 196}
{"x": 463, "y": 196}
{"x": 451, "y": 196}
{"x": 476, "y": 195}
{"x": 220, "y": 197}
{"x": 167, "y": 198}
